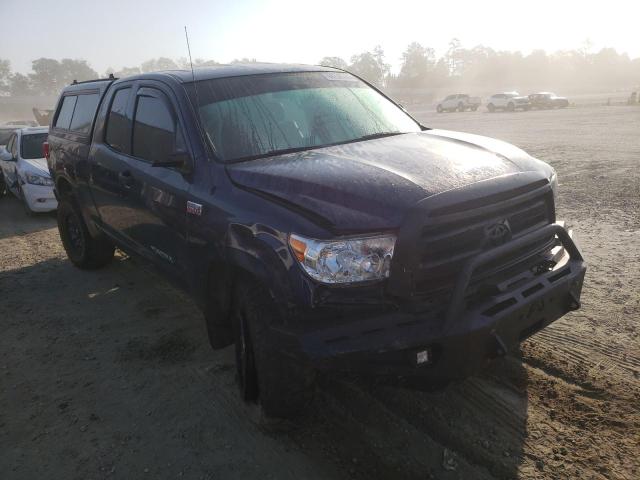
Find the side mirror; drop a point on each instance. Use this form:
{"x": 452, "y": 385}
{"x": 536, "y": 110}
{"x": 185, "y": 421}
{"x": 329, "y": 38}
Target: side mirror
{"x": 175, "y": 160}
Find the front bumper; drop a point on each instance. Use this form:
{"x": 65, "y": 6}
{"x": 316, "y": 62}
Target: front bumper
{"x": 39, "y": 198}
{"x": 463, "y": 338}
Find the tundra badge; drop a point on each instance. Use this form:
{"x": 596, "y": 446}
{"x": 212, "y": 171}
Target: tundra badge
{"x": 194, "y": 208}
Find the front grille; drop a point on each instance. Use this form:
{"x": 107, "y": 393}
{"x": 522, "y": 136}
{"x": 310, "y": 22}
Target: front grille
{"x": 447, "y": 242}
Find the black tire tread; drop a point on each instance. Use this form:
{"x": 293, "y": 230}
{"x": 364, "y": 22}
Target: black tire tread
{"x": 285, "y": 385}
{"x": 99, "y": 250}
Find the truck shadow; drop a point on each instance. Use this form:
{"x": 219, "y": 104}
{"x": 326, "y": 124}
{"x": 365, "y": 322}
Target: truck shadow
{"x": 15, "y": 221}
{"x": 475, "y": 428}
{"x": 133, "y": 353}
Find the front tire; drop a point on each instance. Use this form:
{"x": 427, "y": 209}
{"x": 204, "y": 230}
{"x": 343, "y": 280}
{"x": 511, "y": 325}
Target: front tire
{"x": 25, "y": 204}
{"x": 511, "y": 107}
{"x": 439, "y": 109}
{"x": 491, "y": 107}
{"x": 282, "y": 385}
{"x": 461, "y": 107}
{"x": 83, "y": 249}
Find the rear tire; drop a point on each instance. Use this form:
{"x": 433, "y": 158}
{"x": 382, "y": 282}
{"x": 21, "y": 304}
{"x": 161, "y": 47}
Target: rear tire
{"x": 282, "y": 385}
{"x": 439, "y": 109}
{"x": 461, "y": 107}
{"x": 474, "y": 108}
{"x": 511, "y": 107}
{"x": 83, "y": 249}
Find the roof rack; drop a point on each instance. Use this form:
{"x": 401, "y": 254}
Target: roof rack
{"x": 111, "y": 77}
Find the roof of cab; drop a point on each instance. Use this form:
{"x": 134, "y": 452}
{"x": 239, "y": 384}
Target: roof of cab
{"x": 235, "y": 70}
{"x": 204, "y": 73}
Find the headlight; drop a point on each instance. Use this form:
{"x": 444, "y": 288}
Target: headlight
{"x": 35, "y": 179}
{"x": 346, "y": 260}
{"x": 553, "y": 180}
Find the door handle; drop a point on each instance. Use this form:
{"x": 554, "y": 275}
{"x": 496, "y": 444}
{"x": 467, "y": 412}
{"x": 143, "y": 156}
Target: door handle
{"x": 126, "y": 179}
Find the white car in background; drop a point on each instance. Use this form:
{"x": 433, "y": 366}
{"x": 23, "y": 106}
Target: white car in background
{"x": 25, "y": 172}
{"x": 509, "y": 101}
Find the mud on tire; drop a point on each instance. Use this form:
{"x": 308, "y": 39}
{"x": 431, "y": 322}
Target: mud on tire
{"x": 282, "y": 385}
{"x": 83, "y": 249}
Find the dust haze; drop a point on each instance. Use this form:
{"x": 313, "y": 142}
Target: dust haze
{"x": 109, "y": 374}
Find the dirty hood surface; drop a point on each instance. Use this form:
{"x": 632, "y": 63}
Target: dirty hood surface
{"x": 370, "y": 185}
{"x": 37, "y": 166}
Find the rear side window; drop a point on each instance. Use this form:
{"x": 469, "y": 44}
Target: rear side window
{"x": 118, "y": 125}
{"x": 66, "y": 112}
{"x": 154, "y": 129}
{"x": 84, "y": 112}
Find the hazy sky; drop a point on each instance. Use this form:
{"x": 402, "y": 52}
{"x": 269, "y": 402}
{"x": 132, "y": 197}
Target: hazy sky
{"x": 116, "y": 33}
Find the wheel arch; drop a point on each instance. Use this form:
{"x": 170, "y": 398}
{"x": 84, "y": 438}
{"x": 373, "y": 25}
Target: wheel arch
{"x": 249, "y": 254}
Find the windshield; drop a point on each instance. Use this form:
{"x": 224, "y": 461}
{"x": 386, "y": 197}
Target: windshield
{"x": 32, "y": 145}
{"x": 259, "y": 115}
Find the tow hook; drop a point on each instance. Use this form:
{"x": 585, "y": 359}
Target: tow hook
{"x": 574, "y": 301}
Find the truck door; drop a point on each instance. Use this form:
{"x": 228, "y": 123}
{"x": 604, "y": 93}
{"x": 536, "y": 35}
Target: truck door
{"x": 142, "y": 202}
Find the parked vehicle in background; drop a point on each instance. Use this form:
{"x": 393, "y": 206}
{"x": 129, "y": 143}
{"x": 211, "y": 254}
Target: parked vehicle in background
{"x": 42, "y": 116}
{"x": 20, "y": 123}
{"x": 543, "y": 100}
{"x": 509, "y": 101}
{"x": 24, "y": 169}
{"x": 6, "y": 131}
{"x": 317, "y": 224}
{"x": 458, "y": 102}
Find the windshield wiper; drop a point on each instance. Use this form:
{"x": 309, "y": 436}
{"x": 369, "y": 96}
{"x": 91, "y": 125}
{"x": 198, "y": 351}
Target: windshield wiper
{"x": 273, "y": 153}
{"x": 373, "y": 136}
{"x": 284, "y": 151}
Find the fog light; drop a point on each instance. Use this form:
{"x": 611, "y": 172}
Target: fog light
{"x": 422, "y": 357}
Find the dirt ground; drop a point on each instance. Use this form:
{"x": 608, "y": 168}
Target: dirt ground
{"x": 109, "y": 374}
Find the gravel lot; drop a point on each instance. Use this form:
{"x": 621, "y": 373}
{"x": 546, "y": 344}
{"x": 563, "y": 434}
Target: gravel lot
{"x": 109, "y": 374}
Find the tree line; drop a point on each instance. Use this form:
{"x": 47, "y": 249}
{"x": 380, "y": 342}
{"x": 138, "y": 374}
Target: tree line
{"x": 476, "y": 68}
{"x": 483, "y": 68}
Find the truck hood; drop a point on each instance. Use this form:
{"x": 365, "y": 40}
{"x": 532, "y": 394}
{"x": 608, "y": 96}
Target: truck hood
{"x": 370, "y": 185}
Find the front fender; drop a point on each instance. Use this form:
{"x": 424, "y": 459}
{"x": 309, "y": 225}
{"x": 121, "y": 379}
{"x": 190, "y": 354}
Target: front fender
{"x": 259, "y": 252}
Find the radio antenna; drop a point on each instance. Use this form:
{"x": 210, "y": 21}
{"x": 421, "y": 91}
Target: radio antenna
{"x": 193, "y": 74}
{"x": 195, "y": 88}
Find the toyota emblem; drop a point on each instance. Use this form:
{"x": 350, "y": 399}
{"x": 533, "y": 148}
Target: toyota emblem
{"x": 497, "y": 233}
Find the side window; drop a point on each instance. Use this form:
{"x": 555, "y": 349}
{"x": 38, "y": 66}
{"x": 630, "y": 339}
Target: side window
{"x": 154, "y": 129}
{"x": 11, "y": 144}
{"x": 84, "y": 112}
{"x": 66, "y": 112}
{"x": 118, "y": 125}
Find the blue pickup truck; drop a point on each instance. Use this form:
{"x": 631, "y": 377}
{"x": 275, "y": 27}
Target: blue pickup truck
{"x": 317, "y": 224}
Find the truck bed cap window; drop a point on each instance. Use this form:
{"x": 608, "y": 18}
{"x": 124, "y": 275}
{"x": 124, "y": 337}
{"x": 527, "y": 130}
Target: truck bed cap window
{"x": 118, "y": 125}
{"x": 84, "y": 112}
{"x": 66, "y": 112}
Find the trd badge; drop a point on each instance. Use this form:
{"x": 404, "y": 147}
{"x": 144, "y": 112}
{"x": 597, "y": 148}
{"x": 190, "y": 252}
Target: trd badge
{"x": 194, "y": 208}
